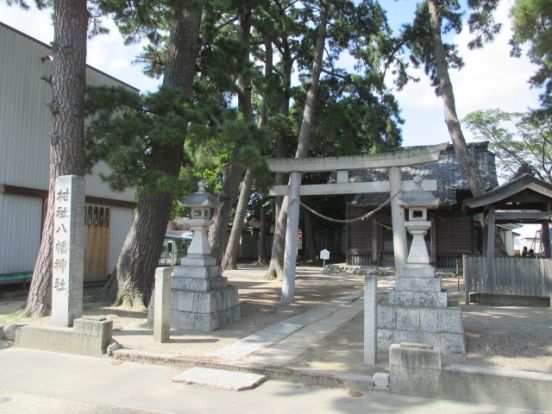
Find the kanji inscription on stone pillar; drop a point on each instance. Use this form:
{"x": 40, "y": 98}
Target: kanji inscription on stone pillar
{"x": 68, "y": 257}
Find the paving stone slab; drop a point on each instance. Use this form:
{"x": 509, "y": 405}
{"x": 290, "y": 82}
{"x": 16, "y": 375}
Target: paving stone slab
{"x": 221, "y": 379}
{"x": 255, "y": 342}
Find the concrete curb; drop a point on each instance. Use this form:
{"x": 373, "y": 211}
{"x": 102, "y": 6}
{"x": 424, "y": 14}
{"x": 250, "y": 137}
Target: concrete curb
{"x": 274, "y": 372}
{"x": 416, "y": 370}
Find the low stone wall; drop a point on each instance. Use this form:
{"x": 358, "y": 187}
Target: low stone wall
{"x": 89, "y": 336}
{"x": 509, "y": 300}
{"x": 415, "y": 369}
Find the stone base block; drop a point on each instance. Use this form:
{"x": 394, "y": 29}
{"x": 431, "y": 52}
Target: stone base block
{"x": 418, "y": 298}
{"x": 440, "y": 327}
{"x": 205, "y": 311}
{"x": 418, "y": 284}
{"x": 198, "y": 260}
{"x": 204, "y": 302}
{"x": 205, "y": 322}
{"x": 418, "y": 270}
{"x": 197, "y": 272}
{"x": 89, "y": 336}
{"x": 197, "y": 284}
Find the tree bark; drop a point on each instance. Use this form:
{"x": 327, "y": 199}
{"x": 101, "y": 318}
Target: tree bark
{"x": 303, "y": 143}
{"x": 217, "y": 232}
{"x": 142, "y": 247}
{"x": 447, "y": 93}
{"x": 230, "y": 260}
{"x": 276, "y": 266}
{"x": 67, "y": 133}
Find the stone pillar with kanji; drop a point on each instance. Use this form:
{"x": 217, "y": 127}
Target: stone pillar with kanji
{"x": 68, "y": 252}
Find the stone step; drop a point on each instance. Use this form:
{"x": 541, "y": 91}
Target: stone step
{"x": 221, "y": 379}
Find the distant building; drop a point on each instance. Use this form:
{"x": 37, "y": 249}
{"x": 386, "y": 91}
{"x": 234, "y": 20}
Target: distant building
{"x": 24, "y": 158}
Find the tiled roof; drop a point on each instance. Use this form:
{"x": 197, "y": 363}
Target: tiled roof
{"x": 447, "y": 171}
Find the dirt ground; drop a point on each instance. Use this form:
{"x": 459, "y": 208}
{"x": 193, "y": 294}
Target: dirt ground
{"x": 509, "y": 337}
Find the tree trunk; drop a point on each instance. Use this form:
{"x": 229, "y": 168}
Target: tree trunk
{"x": 232, "y": 249}
{"x": 141, "y": 250}
{"x": 269, "y": 66}
{"x": 447, "y": 93}
{"x": 142, "y": 247}
{"x": 217, "y": 232}
{"x": 276, "y": 266}
{"x": 261, "y": 253}
{"x": 67, "y": 134}
{"x": 230, "y": 260}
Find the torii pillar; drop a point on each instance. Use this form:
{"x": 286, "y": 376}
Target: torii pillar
{"x": 400, "y": 246}
{"x": 295, "y": 167}
{"x": 290, "y": 253}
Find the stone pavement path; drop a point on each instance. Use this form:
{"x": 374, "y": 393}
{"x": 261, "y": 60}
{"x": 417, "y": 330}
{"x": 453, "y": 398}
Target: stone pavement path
{"x": 44, "y": 382}
{"x": 283, "y": 341}
{"x": 219, "y": 378}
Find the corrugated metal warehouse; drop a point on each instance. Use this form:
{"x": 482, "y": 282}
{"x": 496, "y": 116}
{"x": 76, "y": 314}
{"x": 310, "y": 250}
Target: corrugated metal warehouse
{"x": 24, "y": 157}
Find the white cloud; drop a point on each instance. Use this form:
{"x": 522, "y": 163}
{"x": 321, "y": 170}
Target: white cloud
{"x": 489, "y": 79}
{"x": 107, "y": 52}
{"x": 37, "y": 24}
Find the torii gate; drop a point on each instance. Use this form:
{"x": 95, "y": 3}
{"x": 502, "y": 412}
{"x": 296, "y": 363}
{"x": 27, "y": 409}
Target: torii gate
{"x": 342, "y": 165}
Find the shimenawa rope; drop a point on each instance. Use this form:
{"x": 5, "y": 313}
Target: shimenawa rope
{"x": 347, "y": 221}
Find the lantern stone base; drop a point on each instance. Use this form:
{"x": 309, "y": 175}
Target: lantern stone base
{"x": 202, "y": 300}
{"x": 416, "y": 311}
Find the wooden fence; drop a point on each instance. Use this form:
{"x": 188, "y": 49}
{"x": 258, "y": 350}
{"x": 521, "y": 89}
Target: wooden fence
{"x": 518, "y": 276}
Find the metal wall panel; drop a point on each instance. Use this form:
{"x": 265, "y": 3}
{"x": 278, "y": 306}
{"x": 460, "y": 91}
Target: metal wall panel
{"x": 20, "y": 224}
{"x": 25, "y": 118}
{"x": 24, "y": 151}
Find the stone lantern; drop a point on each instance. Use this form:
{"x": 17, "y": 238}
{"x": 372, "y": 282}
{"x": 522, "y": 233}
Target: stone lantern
{"x": 202, "y": 300}
{"x": 418, "y": 201}
{"x": 202, "y": 205}
{"x": 417, "y": 307}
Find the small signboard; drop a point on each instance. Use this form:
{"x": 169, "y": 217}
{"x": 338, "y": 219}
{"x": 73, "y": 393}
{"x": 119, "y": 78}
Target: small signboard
{"x": 324, "y": 255}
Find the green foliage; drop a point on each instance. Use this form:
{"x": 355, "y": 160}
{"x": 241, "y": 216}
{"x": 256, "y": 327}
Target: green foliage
{"x": 127, "y": 129}
{"x": 533, "y": 25}
{"x": 41, "y": 4}
{"x": 417, "y": 35}
{"x": 517, "y": 139}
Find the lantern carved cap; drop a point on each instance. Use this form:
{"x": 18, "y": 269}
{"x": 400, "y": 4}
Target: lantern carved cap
{"x": 201, "y": 198}
{"x": 418, "y": 197}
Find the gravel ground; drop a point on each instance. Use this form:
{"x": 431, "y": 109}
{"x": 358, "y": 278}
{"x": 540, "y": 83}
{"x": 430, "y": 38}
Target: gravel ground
{"x": 509, "y": 337}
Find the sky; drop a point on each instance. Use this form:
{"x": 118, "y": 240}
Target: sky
{"x": 489, "y": 79}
